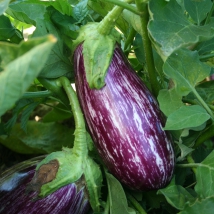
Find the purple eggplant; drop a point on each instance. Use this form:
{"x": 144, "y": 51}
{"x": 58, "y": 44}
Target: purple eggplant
{"x": 15, "y": 199}
{"x": 126, "y": 125}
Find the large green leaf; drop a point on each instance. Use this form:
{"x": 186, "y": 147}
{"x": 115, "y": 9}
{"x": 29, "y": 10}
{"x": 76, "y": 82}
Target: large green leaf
{"x": 199, "y": 207}
{"x": 186, "y": 70}
{"x": 205, "y": 177}
{"x": 171, "y": 29}
{"x": 198, "y": 10}
{"x": 169, "y": 101}
{"x": 187, "y": 117}
{"x": 3, "y": 6}
{"x": 22, "y": 68}
{"x": 41, "y": 138}
{"x": 118, "y": 201}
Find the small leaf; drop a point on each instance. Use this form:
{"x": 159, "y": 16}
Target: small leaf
{"x": 186, "y": 117}
{"x": 169, "y": 101}
{"x": 186, "y": 70}
{"x": 176, "y": 195}
{"x": 118, "y": 201}
{"x": 80, "y": 10}
{"x": 205, "y": 177}
{"x": 22, "y": 71}
{"x": 184, "y": 151}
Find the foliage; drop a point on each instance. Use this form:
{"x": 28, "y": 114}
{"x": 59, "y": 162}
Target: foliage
{"x": 181, "y": 41}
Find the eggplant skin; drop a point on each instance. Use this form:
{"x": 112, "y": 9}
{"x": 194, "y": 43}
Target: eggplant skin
{"x": 126, "y": 123}
{"x": 14, "y": 199}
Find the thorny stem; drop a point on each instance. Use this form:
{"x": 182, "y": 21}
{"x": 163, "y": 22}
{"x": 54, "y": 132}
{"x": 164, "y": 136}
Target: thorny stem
{"x": 143, "y": 9}
{"x": 109, "y": 21}
{"x": 80, "y": 145}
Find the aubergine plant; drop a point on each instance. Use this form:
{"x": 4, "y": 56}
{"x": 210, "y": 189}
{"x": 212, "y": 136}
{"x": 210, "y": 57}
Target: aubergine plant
{"x": 137, "y": 131}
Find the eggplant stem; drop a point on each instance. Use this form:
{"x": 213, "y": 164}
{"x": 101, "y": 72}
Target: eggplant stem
{"x": 80, "y": 146}
{"x": 109, "y": 21}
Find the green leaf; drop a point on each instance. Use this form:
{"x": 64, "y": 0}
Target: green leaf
{"x": 139, "y": 49}
{"x": 176, "y": 195}
{"x": 41, "y": 138}
{"x": 198, "y": 10}
{"x": 93, "y": 178}
{"x": 186, "y": 117}
{"x": 21, "y": 71}
{"x": 57, "y": 64}
{"x": 186, "y": 70}
{"x": 170, "y": 28}
{"x": 184, "y": 151}
{"x": 205, "y": 90}
{"x": 200, "y": 206}
{"x": 205, "y": 177}
{"x": 118, "y": 201}
{"x": 80, "y": 10}
{"x": 169, "y": 101}
{"x": 6, "y": 28}
{"x": 3, "y": 6}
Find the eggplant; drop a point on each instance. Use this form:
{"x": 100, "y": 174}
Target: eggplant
{"x": 15, "y": 197}
{"x": 126, "y": 124}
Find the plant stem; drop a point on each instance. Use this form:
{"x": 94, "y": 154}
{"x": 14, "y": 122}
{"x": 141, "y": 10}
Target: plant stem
{"x": 135, "y": 204}
{"x": 190, "y": 160}
{"x": 124, "y": 5}
{"x": 143, "y": 9}
{"x": 108, "y": 23}
{"x": 37, "y": 94}
{"x": 129, "y": 41}
{"x": 206, "y": 56}
{"x": 209, "y": 14}
{"x": 207, "y": 134}
{"x": 189, "y": 165}
{"x": 107, "y": 207}
{"x": 209, "y": 111}
{"x": 80, "y": 145}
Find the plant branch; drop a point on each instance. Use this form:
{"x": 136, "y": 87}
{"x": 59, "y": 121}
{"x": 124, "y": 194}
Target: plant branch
{"x": 129, "y": 41}
{"x": 109, "y": 21}
{"x": 124, "y": 5}
{"x": 37, "y": 94}
{"x": 143, "y": 9}
{"x": 136, "y": 205}
{"x": 209, "y": 111}
{"x": 80, "y": 145}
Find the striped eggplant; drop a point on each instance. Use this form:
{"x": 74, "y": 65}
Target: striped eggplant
{"x": 126, "y": 123}
{"x": 14, "y": 198}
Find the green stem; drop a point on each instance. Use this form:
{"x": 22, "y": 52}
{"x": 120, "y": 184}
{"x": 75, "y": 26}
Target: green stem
{"x": 209, "y": 111}
{"x": 129, "y": 41}
{"x": 207, "y": 134}
{"x": 191, "y": 161}
{"x": 109, "y": 21}
{"x": 80, "y": 145}
{"x": 37, "y": 94}
{"x": 135, "y": 204}
{"x": 143, "y": 9}
{"x": 54, "y": 86}
{"x": 206, "y": 56}
{"x": 107, "y": 207}
{"x": 209, "y": 14}
{"x": 124, "y": 5}
{"x": 188, "y": 165}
